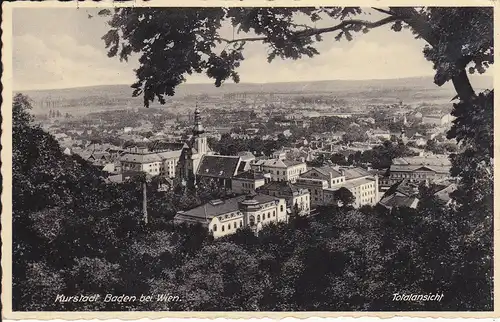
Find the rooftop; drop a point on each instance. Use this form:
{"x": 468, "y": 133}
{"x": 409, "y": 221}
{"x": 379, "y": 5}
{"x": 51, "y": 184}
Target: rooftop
{"x": 220, "y": 166}
{"x": 140, "y": 158}
{"x": 282, "y": 187}
{"x": 327, "y": 170}
{"x": 353, "y": 173}
{"x": 220, "y": 207}
{"x": 394, "y": 201}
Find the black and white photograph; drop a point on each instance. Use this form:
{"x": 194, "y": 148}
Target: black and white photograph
{"x": 249, "y": 158}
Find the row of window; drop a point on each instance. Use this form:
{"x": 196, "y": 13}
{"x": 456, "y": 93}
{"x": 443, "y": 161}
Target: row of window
{"x": 231, "y": 215}
{"x": 235, "y": 226}
{"x": 404, "y": 175}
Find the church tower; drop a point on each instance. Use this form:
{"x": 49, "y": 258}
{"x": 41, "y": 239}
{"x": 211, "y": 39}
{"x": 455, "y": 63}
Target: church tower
{"x": 192, "y": 152}
{"x": 199, "y": 137}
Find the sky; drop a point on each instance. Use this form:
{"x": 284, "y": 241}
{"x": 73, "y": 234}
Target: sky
{"x": 62, "y": 48}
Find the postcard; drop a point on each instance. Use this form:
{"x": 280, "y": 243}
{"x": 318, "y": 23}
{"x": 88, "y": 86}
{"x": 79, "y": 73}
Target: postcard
{"x": 239, "y": 160}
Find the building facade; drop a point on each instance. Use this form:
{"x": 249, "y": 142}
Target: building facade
{"x": 323, "y": 182}
{"x": 420, "y": 169}
{"x": 280, "y": 170}
{"x": 225, "y": 217}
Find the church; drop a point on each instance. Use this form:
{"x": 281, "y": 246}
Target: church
{"x": 192, "y": 152}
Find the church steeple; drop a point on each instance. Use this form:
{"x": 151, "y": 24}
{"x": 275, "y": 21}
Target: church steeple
{"x": 198, "y": 127}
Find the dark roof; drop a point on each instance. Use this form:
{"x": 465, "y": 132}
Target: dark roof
{"x": 212, "y": 209}
{"x": 402, "y": 187}
{"x": 394, "y": 201}
{"x": 219, "y": 166}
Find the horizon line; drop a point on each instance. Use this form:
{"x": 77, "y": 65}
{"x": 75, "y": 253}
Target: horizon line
{"x": 241, "y": 83}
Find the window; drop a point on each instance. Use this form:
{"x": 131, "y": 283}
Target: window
{"x": 268, "y": 215}
{"x": 241, "y": 223}
{"x": 274, "y": 213}
{"x": 222, "y": 227}
{"x": 215, "y": 227}
{"x": 235, "y": 226}
{"x": 258, "y": 218}
{"x": 281, "y": 208}
{"x": 229, "y": 226}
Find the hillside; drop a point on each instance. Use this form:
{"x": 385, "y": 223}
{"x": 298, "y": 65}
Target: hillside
{"x": 410, "y": 90}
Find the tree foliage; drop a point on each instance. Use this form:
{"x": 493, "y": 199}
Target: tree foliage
{"x": 174, "y": 42}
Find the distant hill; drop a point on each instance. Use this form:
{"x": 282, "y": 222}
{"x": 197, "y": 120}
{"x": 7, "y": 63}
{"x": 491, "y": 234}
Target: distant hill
{"x": 406, "y": 89}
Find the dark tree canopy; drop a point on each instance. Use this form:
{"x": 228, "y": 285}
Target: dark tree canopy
{"x": 174, "y": 42}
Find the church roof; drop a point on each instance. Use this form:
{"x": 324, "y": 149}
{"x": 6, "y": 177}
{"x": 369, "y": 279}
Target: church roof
{"x": 219, "y": 166}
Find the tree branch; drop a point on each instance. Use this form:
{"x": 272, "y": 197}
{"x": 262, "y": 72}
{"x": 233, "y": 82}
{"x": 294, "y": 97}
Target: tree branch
{"x": 387, "y": 12}
{"x": 317, "y": 31}
{"x": 419, "y": 23}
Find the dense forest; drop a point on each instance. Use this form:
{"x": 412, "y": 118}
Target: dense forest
{"x": 74, "y": 234}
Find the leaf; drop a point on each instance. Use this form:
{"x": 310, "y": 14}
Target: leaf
{"x": 104, "y": 12}
{"x": 348, "y": 35}
{"x": 339, "y": 36}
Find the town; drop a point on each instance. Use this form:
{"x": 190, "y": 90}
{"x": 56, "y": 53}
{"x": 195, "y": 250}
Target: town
{"x": 276, "y": 156}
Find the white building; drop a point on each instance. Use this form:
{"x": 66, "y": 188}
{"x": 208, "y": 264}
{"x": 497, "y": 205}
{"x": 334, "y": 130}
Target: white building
{"x": 438, "y": 119}
{"x": 153, "y": 163}
{"x": 150, "y": 163}
{"x": 323, "y": 182}
{"x": 225, "y": 217}
{"x": 280, "y": 170}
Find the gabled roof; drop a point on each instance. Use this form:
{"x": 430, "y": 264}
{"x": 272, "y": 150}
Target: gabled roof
{"x": 394, "y": 201}
{"x": 327, "y": 170}
{"x": 353, "y": 173}
{"x": 437, "y": 163}
{"x": 402, "y": 188}
{"x": 218, "y": 166}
